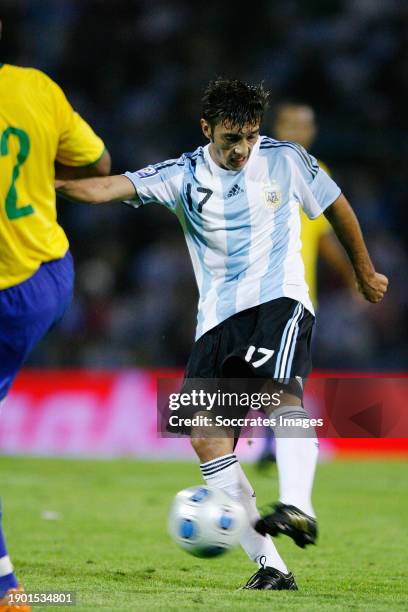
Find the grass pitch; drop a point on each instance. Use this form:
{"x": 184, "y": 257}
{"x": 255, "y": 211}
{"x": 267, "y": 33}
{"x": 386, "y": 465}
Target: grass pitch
{"x": 107, "y": 539}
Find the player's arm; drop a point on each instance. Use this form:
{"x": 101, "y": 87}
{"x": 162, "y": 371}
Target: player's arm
{"x": 344, "y": 222}
{"x": 97, "y": 190}
{"x": 332, "y": 253}
{"x": 101, "y": 167}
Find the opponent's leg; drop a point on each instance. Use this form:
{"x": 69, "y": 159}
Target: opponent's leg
{"x": 8, "y": 579}
{"x": 27, "y": 311}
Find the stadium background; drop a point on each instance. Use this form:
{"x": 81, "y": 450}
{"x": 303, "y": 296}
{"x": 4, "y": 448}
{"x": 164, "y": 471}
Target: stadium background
{"x": 135, "y": 70}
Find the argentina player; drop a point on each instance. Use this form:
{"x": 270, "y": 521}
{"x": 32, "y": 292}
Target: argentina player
{"x": 238, "y": 201}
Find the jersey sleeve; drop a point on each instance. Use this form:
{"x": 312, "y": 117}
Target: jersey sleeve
{"x": 158, "y": 183}
{"x": 316, "y": 189}
{"x": 78, "y": 144}
{"x": 323, "y": 227}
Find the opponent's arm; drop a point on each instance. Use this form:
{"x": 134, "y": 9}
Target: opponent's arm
{"x": 97, "y": 190}
{"x": 344, "y": 222}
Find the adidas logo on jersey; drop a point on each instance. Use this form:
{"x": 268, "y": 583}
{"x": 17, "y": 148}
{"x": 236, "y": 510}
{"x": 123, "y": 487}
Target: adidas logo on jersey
{"x": 234, "y": 191}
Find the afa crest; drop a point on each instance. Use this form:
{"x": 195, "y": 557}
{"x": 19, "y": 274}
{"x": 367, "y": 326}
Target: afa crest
{"x": 146, "y": 172}
{"x": 272, "y": 195}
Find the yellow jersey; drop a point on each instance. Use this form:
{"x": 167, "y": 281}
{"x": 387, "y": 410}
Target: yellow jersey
{"x": 311, "y": 233}
{"x": 38, "y": 126}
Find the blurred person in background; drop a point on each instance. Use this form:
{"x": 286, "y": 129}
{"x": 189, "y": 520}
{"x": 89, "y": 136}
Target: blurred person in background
{"x": 295, "y": 121}
{"x": 41, "y": 137}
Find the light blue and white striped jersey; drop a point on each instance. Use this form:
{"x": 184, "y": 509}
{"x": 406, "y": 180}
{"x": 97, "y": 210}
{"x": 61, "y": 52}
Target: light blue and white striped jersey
{"x": 242, "y": 227}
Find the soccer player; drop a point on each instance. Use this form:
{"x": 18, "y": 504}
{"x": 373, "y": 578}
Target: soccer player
{"x": 238, "y": 200}
{"x": 38, "y": 128}
{"x": 296, "y": 121}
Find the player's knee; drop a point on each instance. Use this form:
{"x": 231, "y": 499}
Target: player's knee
{"x": 205, "y": 447}
{"x": 198, "y": 444}
{"x": 294, "y": 422}
{"x": 209, "y": 448}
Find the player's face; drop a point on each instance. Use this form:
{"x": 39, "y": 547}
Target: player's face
{"x": 296, "y": 123}
{"x": 231, "y": 145}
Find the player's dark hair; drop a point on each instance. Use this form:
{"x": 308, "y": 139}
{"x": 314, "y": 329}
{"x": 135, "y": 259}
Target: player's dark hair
{"x": 235, "y": 102}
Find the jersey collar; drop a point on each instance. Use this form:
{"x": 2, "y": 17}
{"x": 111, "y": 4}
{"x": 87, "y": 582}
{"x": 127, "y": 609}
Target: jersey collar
{"x": 216, "y": 169}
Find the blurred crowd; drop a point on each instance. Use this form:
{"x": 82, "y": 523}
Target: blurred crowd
{"x": 135, "y": 69}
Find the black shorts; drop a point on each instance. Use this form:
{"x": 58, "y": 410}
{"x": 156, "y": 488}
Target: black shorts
{"x": 269, "y": 341}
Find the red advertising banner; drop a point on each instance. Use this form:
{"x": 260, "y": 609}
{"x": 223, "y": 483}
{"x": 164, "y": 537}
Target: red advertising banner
{"x": 113, "y": 413}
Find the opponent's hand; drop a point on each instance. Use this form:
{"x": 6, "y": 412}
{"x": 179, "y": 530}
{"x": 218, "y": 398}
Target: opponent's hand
{"x": 373, "y": 287}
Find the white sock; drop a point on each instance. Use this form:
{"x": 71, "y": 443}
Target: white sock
{"x": 6, "y": 566}
{"x": 226, "y": 473}
{"x": 297, "y": 450}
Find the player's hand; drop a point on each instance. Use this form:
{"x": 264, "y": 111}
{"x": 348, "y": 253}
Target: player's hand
{"x": 373, "y": 287}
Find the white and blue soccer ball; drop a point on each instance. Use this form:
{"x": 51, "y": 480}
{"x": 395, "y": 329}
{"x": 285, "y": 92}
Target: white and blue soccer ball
{"x": 205, "y": 521}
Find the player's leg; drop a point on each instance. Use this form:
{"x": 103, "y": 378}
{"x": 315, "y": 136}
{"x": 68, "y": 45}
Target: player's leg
{"x": 8, "y": 579}
{"x": 27, "y": 311}
{"x": 273, "y": 573}
{"x": 221, "y": 469}
{"x": 297, "y": 452}
{"x": 296, "y": 458}
{"x": 278, "y": 349}
{"x": 219, "y": 464}
{"x": 10, "y": 362}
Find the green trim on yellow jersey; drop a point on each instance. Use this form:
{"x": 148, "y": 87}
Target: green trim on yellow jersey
{"x": 98, "y": 159}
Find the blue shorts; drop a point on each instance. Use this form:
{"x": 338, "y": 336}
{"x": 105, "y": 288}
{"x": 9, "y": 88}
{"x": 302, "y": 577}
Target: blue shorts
{"x": 28, "y": 310}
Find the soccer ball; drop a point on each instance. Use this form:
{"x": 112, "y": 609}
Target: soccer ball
{"x": 205, "y": 521}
